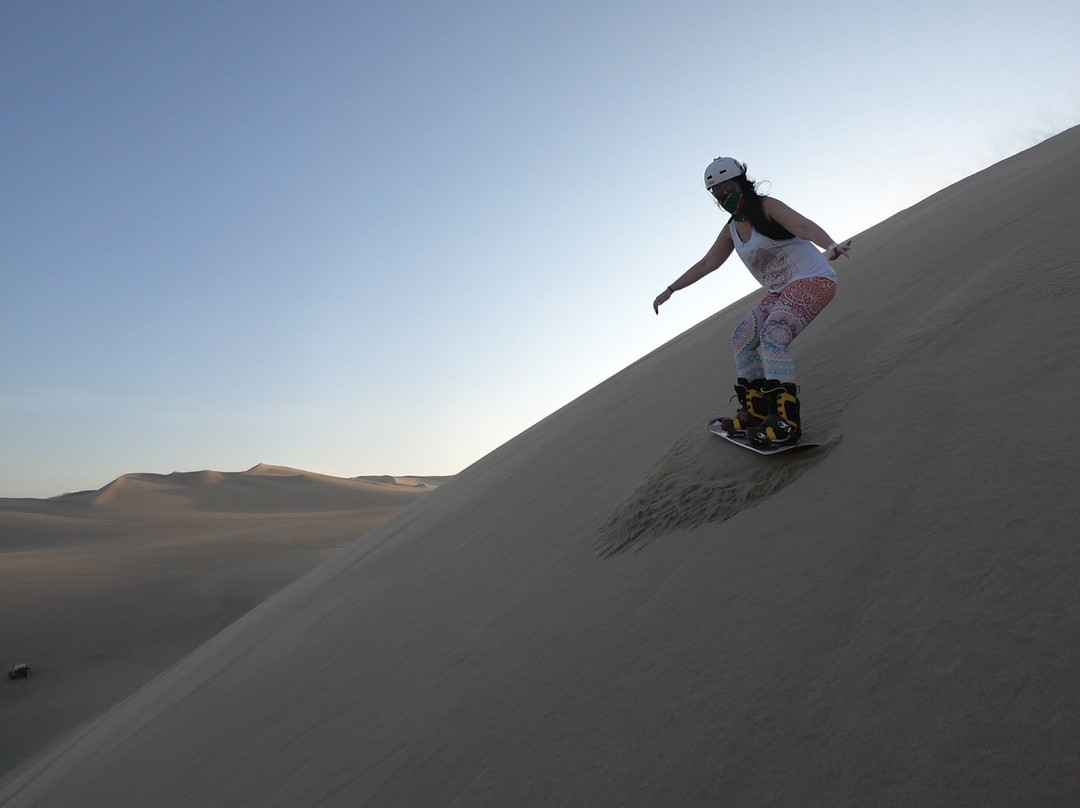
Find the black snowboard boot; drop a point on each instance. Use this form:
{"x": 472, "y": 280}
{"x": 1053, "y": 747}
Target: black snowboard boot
{"x": 781, "y": 426}
{"x": 752, "y": 407}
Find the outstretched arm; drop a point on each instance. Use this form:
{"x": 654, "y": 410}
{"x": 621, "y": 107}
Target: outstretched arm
{"x": 799, "y": 225}
{"x": 717, "y": 255}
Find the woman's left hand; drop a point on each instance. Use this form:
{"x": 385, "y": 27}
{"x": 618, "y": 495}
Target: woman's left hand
{"x": 839, "y": 249}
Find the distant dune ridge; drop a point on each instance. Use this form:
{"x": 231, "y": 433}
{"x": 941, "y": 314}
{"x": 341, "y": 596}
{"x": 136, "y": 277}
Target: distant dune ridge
{"x": 617, "y": 609}
{"x": 259, "y": 489}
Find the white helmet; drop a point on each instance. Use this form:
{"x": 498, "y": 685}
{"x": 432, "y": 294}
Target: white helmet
{"x": 722, "y": 169}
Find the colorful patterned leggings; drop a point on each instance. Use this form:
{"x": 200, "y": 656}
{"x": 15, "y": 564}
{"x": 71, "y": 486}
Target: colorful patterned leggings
{"x": 761, "y": 340}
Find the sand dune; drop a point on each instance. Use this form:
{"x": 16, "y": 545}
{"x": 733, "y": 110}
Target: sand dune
{"x": 261, "y": 489}
{"x": 102, "y": 590}
{"x": 617, "y": 609}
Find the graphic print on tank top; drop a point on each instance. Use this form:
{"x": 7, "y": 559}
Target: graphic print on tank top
{"x": 771, "y": 269}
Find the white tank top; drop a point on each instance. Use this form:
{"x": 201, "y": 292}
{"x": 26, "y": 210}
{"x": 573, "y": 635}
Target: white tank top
{"x": 775, "y": 264}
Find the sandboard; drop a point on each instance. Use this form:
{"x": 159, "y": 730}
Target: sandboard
{"x": 714, "y": 427}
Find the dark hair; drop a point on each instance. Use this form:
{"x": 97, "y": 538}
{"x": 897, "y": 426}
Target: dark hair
{"x": 755, "y": 211}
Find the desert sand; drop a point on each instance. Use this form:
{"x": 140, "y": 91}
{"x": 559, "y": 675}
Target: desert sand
{"x": 618, "y": 609}
{"x": 101, "y": 591}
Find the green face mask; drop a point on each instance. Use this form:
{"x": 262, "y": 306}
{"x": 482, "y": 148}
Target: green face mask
{"x": 731, "y": 202}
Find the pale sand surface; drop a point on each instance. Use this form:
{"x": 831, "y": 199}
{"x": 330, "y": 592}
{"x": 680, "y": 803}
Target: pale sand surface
{"x": 889, "y": 621}
{"x": 101, "y": 591}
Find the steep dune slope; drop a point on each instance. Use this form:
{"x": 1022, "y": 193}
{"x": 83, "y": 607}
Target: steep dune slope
{"x": 893, "y": 625}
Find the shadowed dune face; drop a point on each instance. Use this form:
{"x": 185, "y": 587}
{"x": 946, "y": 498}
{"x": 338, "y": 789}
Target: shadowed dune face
{"x": 102, "y": 590}
{"x": 888, "y": 622}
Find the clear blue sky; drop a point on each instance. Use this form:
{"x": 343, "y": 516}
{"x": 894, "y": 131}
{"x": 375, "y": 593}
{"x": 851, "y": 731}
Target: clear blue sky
{"x": 367, "y": 238}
